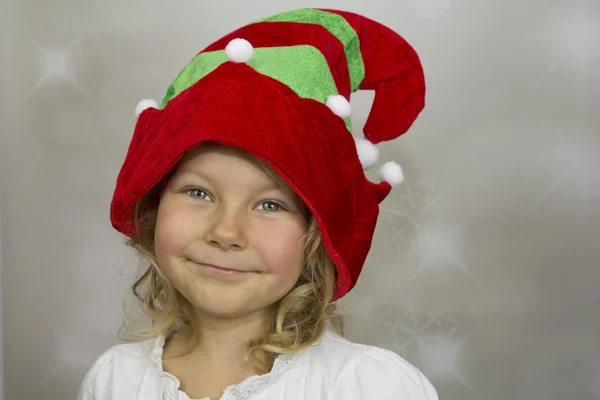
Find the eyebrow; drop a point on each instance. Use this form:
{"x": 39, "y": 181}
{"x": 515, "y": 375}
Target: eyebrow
{"x": 267, "y": 185}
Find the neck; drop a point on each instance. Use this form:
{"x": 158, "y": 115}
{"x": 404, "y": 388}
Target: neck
{"x": 219, "y": 341}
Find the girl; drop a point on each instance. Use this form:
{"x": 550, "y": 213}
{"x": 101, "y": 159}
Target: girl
{"x": 247, "y": 195}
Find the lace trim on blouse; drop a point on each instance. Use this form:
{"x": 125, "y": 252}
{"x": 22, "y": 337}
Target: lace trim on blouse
{"x": 250, "y": 386}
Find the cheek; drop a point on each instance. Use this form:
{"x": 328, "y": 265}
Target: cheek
{"x": 281, "y": 249}
{"x": 169, "y": 237}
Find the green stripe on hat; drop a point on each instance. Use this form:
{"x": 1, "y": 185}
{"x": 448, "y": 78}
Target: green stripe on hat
{"x": 338, "y": 27}
{"x": 303, "y": 69}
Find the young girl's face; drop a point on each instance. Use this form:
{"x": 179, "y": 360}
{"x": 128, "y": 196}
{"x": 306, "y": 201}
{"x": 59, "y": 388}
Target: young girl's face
{"x": 221, "y": 209}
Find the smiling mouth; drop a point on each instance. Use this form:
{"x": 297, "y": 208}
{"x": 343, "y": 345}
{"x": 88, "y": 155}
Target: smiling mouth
{"x": 220, "y": 270}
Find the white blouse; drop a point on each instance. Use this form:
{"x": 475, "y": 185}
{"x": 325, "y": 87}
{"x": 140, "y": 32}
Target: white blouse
{"x": 334, "y": 368}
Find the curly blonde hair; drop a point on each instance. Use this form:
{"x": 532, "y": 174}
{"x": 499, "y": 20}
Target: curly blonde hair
{"x": 298, "y": 319}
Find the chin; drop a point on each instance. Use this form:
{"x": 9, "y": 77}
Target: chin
{"x": 223, "y": 305}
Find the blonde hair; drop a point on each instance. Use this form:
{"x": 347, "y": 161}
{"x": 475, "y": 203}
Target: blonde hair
{"x": 298, "y": 319}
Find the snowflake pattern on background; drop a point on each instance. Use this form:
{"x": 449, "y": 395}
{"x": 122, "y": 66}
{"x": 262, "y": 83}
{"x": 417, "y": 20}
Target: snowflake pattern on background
{"x": 438, "y": 242}
{"x": 420, "y": 233}
{"x": 422, "y": 330}
{"x": 415, "y": 202}
{"x": 58, "y": 62}
{"x": 424, "y": 333}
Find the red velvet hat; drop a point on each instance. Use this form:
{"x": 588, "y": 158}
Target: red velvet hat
{"x": 279, "y": 88}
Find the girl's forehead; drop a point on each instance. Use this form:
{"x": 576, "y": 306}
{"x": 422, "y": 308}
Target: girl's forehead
{"x": 210, "y": 157}
{"x": 224, "y": 161}
{"x": 214, "y": 149}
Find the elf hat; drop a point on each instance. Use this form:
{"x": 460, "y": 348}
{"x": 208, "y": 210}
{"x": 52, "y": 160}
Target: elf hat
{"x": 279, "y": 88}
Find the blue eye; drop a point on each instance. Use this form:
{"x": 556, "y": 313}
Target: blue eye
{"x": 202, "y": 193}
{"x": 271, "y": 206}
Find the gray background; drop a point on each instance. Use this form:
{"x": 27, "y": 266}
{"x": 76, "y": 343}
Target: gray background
{"x": 485, "y": 267}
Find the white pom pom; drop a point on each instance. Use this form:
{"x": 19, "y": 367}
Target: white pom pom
{"x": 368, "y": 154}
{"x": 143, "y": 105}
{"x": 239, "y": 51}
{"x": 391, "y": 173}
{"x": 340, "y": 106}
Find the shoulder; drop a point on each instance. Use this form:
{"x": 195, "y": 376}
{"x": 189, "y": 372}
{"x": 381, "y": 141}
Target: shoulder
{"x": 367, "y": 372}
{"x": 123, "y": 361}
{"x": 381, "y": 372}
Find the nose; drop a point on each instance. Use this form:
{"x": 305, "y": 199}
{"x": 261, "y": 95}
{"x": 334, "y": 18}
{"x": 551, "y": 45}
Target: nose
{"x": 227, "y": 231}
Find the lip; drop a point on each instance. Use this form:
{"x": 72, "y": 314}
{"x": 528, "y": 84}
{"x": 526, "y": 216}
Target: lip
{"x": 220, "y": 270}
